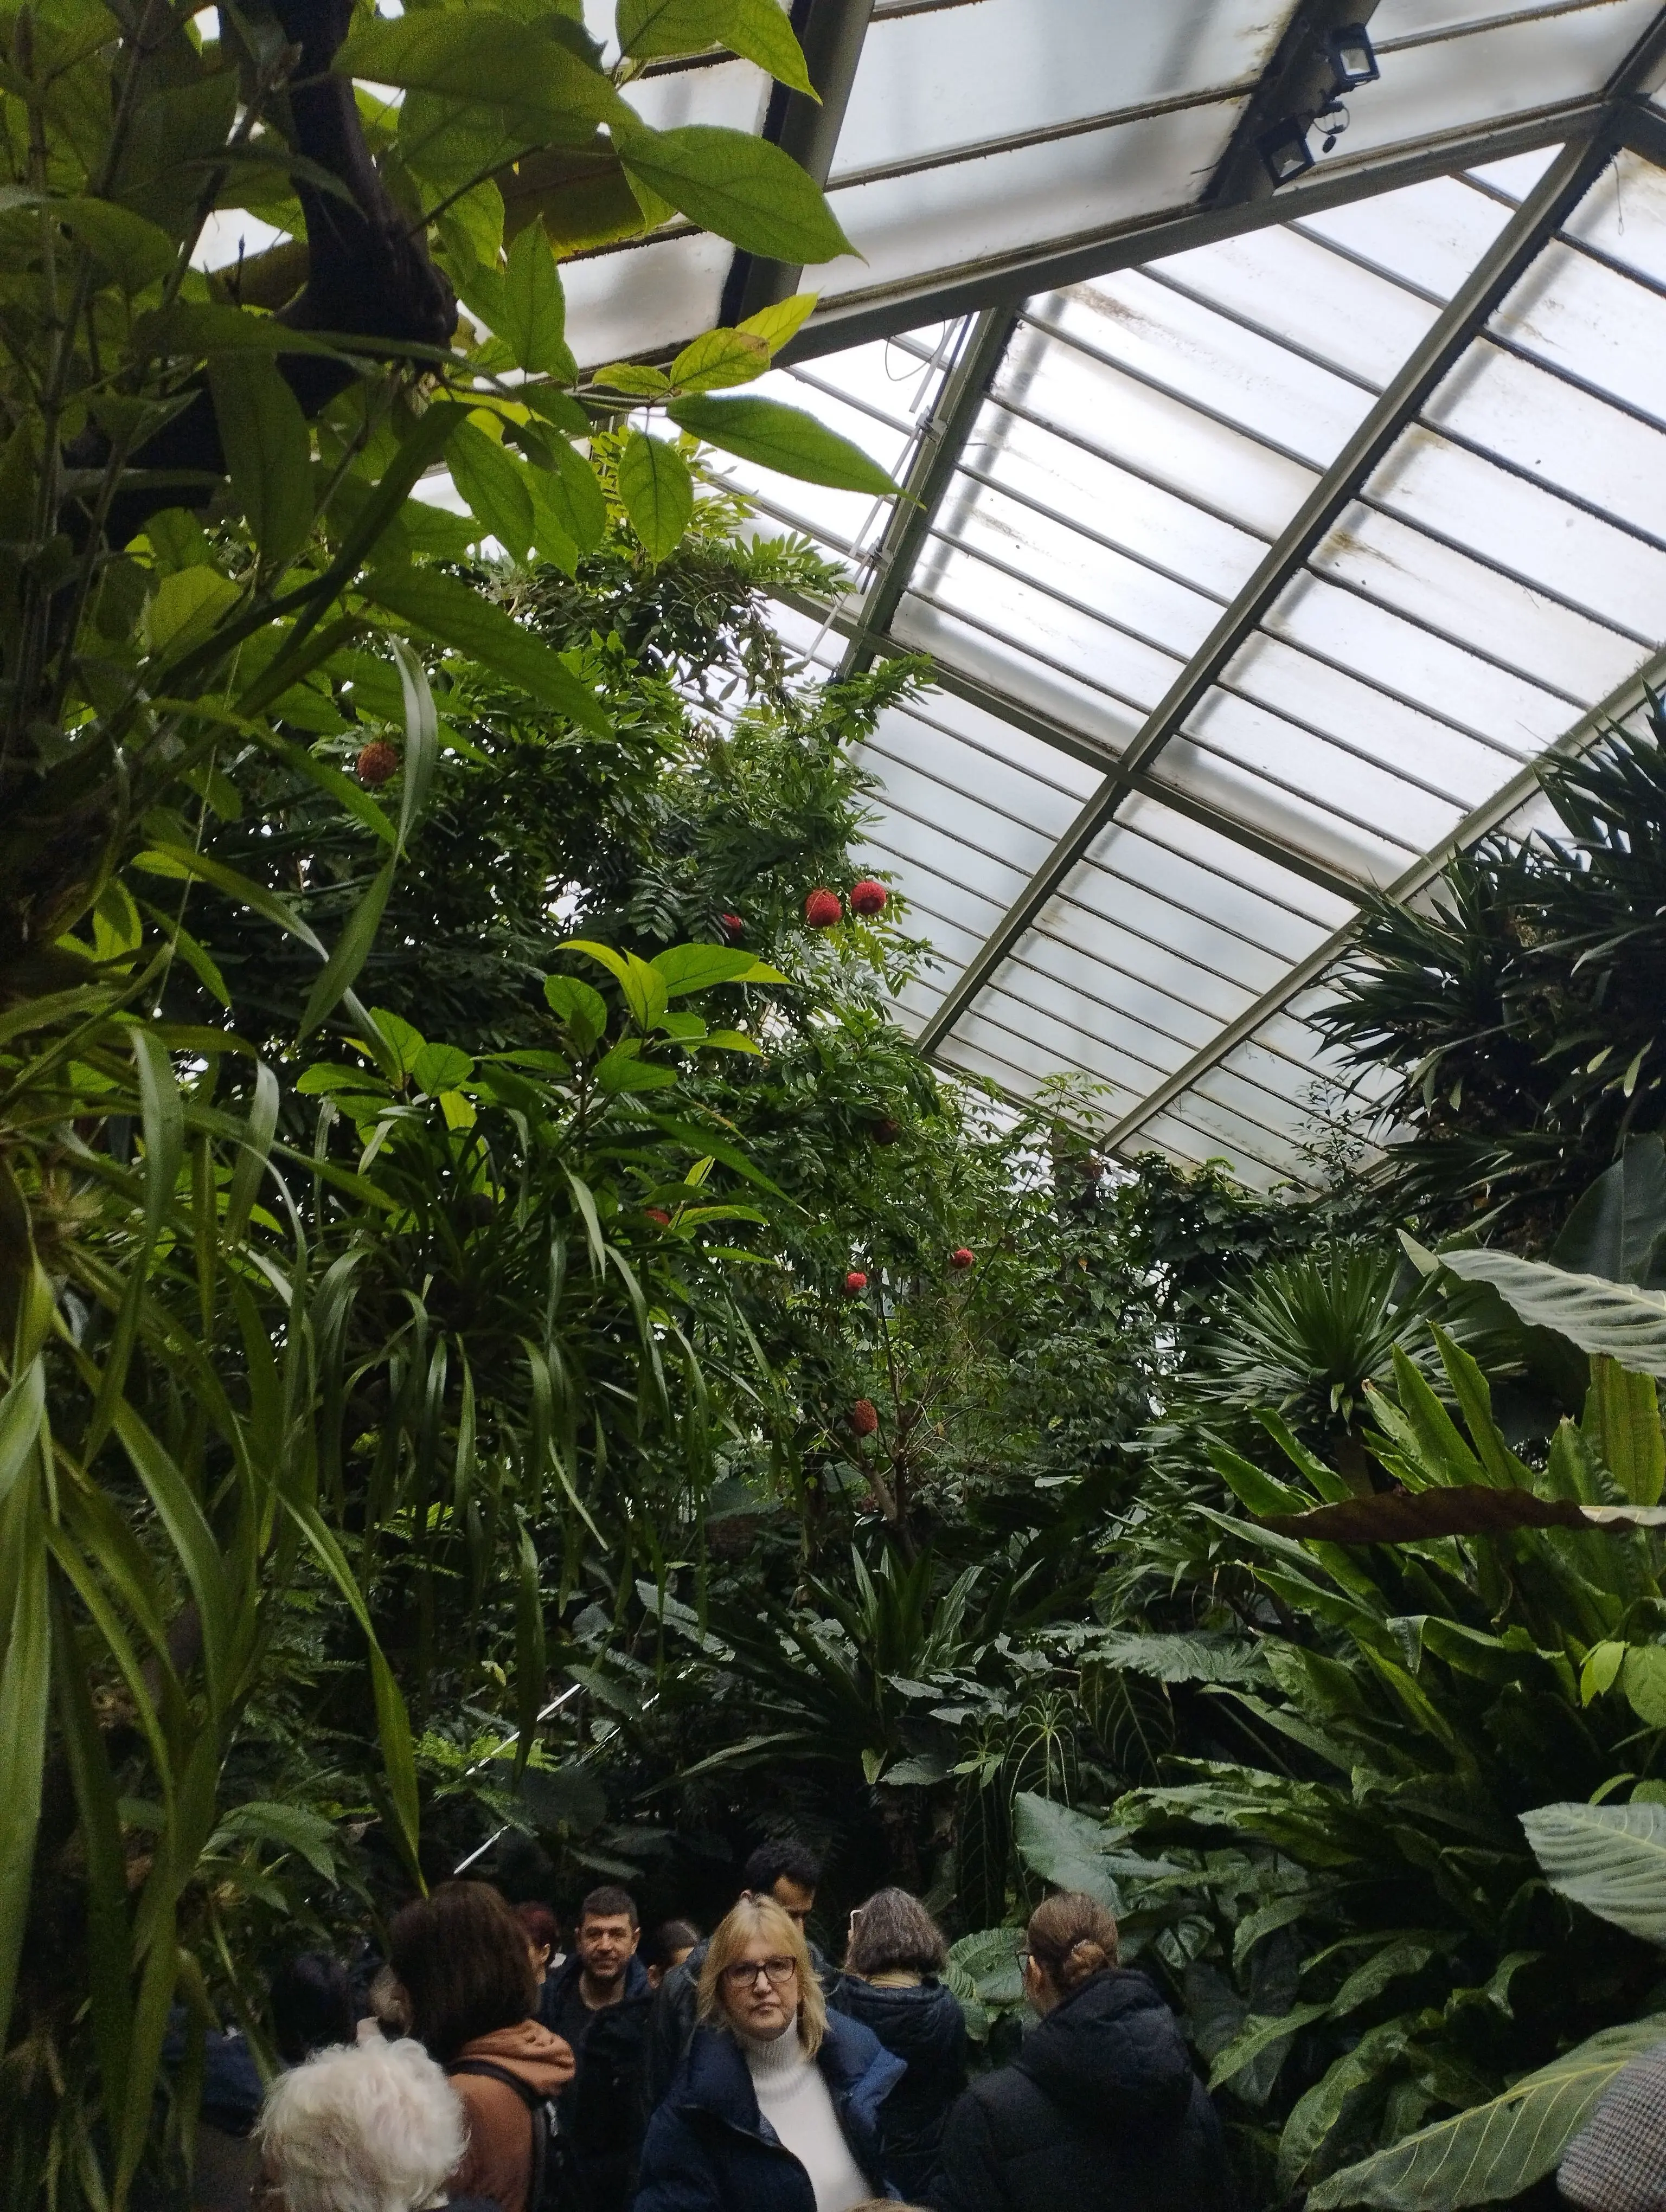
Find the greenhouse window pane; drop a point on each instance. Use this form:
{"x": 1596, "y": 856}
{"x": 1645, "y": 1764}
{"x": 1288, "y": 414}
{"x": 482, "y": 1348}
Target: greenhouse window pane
{"x": 994, "y": 654}
{"x": 1299, "y": 289}
{"x": 1092, "y": 954}
{"x": 1430, "y": 235}
{"x": 989, "y": 877}
{"x": 1117, "y": 1060}
{"x": 1103, "y": 997}
{"x": 733, "y": 95}
{"x": 1404, "y": 570}
{"x": 1226, "y": 473}
{"x": 945, "y": 730}
{"x": 960, "y": 218}
{"x": 930, "y": 82}
{"x": 1572, "y": 313}
{"x": 1439, "y": 485}
{"x": 1562, "y": 436}
{"x": 1505, "y": 709}
{"x": 1327, "y": 776}
{"x": 1339, "y": 839}
{"x": 1264, "y": 888}
{"x": 979, "y": 825}
{"x": 644, "y": 299}
{"x": 1624, "y": 215}
{"x": 1132, "y": 323}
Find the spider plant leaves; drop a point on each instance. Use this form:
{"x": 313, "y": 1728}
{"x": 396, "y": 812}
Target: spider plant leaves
{"x": 25, "y": 1695}
{"x": 1609, "y": 1858}
{"x": 1497, "y": 2148}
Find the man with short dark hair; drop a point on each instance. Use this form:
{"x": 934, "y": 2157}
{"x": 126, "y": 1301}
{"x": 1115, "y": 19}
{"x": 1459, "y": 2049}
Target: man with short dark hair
{"x": 782, "y": 1869}
{"x": 598, "y": 2000}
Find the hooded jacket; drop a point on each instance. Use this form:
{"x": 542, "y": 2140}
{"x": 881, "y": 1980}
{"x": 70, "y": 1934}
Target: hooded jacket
{"x": 498, "y": 2162}
{"x": 710, "y": 2150}
{"x": 1100, "y": 2112}
{"x": 924, "y": 2027}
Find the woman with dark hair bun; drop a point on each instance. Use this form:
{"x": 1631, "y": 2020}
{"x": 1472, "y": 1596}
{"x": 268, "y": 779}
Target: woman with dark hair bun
{"x": 1101, "y": 2110}
{"x": 889, "y": 1982}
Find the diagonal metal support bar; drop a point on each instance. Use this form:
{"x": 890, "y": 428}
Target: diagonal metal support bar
{"x": 941, "y": 443}
{"x": 1296, "y": 84}
{"x": 831, "y": 33}
{"x": 1563, "y": 185}
{"x": 1476, "y": 825}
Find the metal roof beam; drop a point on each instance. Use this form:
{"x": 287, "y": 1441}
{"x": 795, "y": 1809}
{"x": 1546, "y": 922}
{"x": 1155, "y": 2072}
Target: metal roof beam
{"x": 1479, "y": 823}
{"x": 831, "y": 33}
{"x": 1295, "y": 84}
{"x": 942, "y": 440}
{"x": 1557, "y": 191}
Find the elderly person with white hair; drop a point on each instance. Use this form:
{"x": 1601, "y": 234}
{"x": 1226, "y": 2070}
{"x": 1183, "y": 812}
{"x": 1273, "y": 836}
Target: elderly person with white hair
{"x": 368, "y": 2127}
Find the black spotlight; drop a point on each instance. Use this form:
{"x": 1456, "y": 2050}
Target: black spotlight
{"x": 1285, "y": 152}
{"x": 1352, "y": 57}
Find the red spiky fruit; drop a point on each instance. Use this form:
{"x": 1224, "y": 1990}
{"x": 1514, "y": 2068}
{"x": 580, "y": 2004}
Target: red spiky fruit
{"x": 822, "y": 909}
{"x": 376, "y": 763}
{"x": 962, "y": 1257}
{"x": 886, "y": 1131}
{"x": 733, "y": 923}
{"x": 856, "y": 1283}
{"x": 867, "y": 896}
{"x": 863, "y": 1418}
{"x": 657, "y": 1213}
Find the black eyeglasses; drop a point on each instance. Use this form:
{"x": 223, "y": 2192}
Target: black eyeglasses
{"x": 1023, "y": 1957}
{"x": 744, "y": 1974}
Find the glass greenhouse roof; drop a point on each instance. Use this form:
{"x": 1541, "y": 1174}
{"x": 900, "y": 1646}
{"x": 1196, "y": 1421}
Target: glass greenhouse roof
{"x": 1262, "y": 542}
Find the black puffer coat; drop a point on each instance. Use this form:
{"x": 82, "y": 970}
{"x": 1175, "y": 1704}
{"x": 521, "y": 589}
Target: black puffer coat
{"x": 1100, "y": 2112}
{"x": 924, "y": 2027}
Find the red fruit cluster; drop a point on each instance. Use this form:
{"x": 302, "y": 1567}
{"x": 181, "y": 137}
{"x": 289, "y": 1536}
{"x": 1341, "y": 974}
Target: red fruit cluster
{"x": 376, "y": 763}
{"x": 822, "y": 909}
{"x": 863, "y": 1418}
{"x": 856, "y": 1283}
{"x": 867, "y": 896}
{"x": 658, "y": 1213}
{"x": 733, "y": 923}
{"x": 962, "y": 1257}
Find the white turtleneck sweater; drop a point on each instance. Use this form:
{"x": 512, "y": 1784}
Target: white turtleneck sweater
{"x": 798, "y": 2103}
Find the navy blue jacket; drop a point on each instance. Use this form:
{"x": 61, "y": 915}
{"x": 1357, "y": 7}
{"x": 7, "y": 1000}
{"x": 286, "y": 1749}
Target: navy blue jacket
{"x": 710, "y": 2150}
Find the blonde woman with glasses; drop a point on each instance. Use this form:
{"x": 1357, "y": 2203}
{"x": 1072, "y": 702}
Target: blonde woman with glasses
{"x": 776, "y": 2106}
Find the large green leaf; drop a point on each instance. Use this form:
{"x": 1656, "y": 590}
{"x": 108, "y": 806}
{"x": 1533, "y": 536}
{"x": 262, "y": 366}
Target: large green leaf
{"x": 534, "y": 309}
{"x": 1613, "y": 1230}
{"x": 1628, "y": 1324}
{"x": 439, "y": 607}
{"x": 658, "y": 492}
{"x": 474, "y": 54}
{"x": 1065, "y": 1847}
{"x": 759, "y": 30}
{"x": 269, "y": 453}
{"x": 1609, "y": 1858}
{"x": 742, "y": 187}
{"x": 785, "y": 439}
{"x": 1498, "y": 2149}
{"x": 497, "y": 487}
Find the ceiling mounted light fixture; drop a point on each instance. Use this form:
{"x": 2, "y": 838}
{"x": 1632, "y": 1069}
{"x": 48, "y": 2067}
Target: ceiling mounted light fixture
{"x": 1353, "y": 58}
{"x": 1285, "y": 152}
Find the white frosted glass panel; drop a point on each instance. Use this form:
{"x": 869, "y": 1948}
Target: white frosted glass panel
{"x": 1624, "y": 214}
{"x": 1511, "y": 711}
{"x": 1065, "y": 563}
{"x": 1281, "y": 812}
{"x": 1263, "y": 882}
{"x": 1225, "y": 954}
{"x": 732, "y": 94}
{"x": 1225, "y": 472}
{"x": 1106, "y": 958}
{"x": 1146, "y": 1056}
{"x": 970, "y": 738}
{"x": 1508, "y": 70}
{"x": 1096, "y": 998}
{"x": 960, "y": 919}
{"x": 1297, "y": 288}
{"x": 1097, "y": 494}
{"x": 1430, "y": 235}
{"x": 1158, "y": 334}
{"x": 1564, "y": 436}
{"x": 1015, "y": 1059}
{"x": 955, "y": 1052}
{"x": 1446, "y": 589}
{"x": 961, "y": 820}
{"x": 1276, "y": 675}
{"x": 1416, "y": 19}
{"x": 1518, "y": 174}
{"x": 994, "y": 882}
{"x": 1113, "y": 1058}
{"x": 890, "y": 379}
{"x": 1289, "y": 1096}
{"x": 1408, "y": 819}
{"x": 1237, "y": 1126}
{"x": 1434, "y": 483}
{"x": 643, "y": 299}
{"x": 943, "y": 79}
{"x": 906, "y": 756}
{"x": 1210, "y": 1136}
{"x": 1576, "y": 315}
{"x": 1001, "y": 661}
{"x": 963, "y": 216}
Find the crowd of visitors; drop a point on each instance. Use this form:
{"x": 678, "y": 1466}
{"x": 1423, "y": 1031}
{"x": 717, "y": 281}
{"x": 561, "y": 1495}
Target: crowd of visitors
{"x": 740, "y": 2073}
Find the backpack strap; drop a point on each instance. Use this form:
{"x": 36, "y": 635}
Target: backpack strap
{"x": 534, "y": 2104}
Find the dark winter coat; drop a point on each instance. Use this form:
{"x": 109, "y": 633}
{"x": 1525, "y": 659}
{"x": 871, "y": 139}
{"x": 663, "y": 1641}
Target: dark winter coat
{"x": 710, "y": 2150}
{"x": 671, "y": 2029}
{"x": 604, "y": 2108}
{"x": 924, "y": 2027}
{"x": 1100, "y": 2112}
